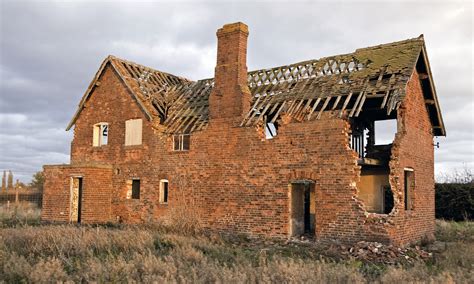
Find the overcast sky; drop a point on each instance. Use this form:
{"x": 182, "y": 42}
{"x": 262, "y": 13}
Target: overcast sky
{"x": 51, "y": 50}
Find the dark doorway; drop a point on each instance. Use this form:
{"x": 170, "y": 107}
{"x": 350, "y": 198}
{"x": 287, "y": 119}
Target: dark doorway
{"x": 302, "y": 208}
{"x": 307, "y": 212}
{"x": 387, "y": 199}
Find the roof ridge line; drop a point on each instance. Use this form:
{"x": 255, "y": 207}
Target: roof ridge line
{"x": 415, "y": 39}
{"x": 146, "y": 67}
{"x": 419, "y": 38}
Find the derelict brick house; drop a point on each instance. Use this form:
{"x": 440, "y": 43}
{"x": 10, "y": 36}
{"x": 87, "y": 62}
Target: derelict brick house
{"x": 276, "y": 152}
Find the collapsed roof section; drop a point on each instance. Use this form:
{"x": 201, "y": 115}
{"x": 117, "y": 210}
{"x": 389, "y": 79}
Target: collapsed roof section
{"x": 344, "y": 84}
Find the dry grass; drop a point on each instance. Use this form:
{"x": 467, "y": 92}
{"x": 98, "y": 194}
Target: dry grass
{"x": 59, "y": 253}
{"x": 24, "y": 213}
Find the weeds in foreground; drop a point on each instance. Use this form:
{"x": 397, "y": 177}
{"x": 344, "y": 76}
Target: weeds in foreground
{"x": 151, "y": 253}
{"x": 22, "y": 214}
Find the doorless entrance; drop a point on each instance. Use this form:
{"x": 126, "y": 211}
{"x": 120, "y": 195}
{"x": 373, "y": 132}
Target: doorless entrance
{"x": 76, "y": 197}
{"x": 302, "y": 208}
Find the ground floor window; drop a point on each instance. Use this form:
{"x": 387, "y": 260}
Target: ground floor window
{"x": 409, "y": 182}
{"x": 133, "y": 189}
{"x": 163, "y": 191}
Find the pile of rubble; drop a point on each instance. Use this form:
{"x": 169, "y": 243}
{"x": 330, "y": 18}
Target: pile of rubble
{"x": 388, "y": 254}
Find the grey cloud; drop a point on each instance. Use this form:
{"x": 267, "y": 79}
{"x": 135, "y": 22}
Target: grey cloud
{"x": 51, "y": 50}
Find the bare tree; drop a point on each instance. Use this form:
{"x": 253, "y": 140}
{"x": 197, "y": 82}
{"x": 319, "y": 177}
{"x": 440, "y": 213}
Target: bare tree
{"x": 463, "y": 176}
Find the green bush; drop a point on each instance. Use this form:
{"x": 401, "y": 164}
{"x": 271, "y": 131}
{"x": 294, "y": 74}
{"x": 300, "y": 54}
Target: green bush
{"x": 454, "y": 201}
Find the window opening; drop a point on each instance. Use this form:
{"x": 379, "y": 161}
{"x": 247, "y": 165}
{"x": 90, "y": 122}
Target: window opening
{"x": 385, "y": 131}
{"x": 100, "y": 134}
{"x": 163, "y": 191}
{"x": 409, "y": 184}
{"x": 181, "y": 142}
{"x": 270, "y": 130}
{"x": 133, "y": 189}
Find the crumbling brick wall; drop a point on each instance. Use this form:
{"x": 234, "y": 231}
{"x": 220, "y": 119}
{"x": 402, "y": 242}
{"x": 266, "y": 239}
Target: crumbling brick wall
{"x": 234, "y": 180}
{"x": 413, "y": 148}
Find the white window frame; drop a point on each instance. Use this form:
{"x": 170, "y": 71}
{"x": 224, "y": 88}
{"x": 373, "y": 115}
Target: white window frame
{"x": 98, "y": 137}
{"x": 181, "y": 142}
{"x": 162, "y": 191}
{"x": 133, "y": 132}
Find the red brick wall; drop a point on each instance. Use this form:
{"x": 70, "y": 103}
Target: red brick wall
{"x": 96, "y": 193}
{"x": 414, "y": 149}
{"x": 233, "y": 180}
{"x": 110, "y": 102}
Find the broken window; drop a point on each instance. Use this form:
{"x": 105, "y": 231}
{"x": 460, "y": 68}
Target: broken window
{"x": 133, "y": 189}
{"x": 271, "y": 130}
{"x": 409, "y": 182}
{"x": 181, "y": 142}
{"x": 163, "y": 191}
{"x": 100, "y": 134}
{"x": 133, "y": 132}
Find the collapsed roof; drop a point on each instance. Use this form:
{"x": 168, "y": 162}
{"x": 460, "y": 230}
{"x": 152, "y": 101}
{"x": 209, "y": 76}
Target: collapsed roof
{"x": 348, "y": 84}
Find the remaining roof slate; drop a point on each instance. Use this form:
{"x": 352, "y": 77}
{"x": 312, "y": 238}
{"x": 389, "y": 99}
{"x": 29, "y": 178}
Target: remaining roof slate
{"x": 341, "y": 83}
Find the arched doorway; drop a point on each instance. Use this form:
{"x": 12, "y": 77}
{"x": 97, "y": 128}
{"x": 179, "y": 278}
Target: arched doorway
{"x": 302, "y": 208}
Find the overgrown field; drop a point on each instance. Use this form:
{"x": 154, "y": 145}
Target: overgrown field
{"x": 51, "y": 253}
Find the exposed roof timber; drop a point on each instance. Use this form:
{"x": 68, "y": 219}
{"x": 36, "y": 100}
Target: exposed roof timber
{"x": 124, "y": 69}
{"x": 432, "y": 100}
{"x": 345, "y": 84}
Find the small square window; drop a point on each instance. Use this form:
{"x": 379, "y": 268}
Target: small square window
{"x": 163, "y": 191}
{"x": 181, "y": 142}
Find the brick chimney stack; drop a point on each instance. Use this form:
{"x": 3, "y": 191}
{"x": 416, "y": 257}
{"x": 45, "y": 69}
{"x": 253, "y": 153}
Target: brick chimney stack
{"x": 231, "y": 96}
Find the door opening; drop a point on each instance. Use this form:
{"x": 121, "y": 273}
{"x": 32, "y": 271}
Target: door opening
{"x": 302, "y": 208}
{"x": 76, "y": 199}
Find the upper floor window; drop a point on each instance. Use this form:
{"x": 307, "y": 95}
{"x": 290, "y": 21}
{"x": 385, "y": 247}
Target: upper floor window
{"x": 181, "y": 142}
{"x": 100, "y": 134}
{"x": 133, "y": 132}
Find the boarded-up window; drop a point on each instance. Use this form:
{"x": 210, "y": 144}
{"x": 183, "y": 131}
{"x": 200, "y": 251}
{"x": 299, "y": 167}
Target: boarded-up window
{"x": 409, "y": 187}
{"x": 100, "y": 134}
{"x": 133, "y": 189}
{"x": 133, "y": 132}
{"x": 163, "y": 191}
{"x": 181, "y": 142}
